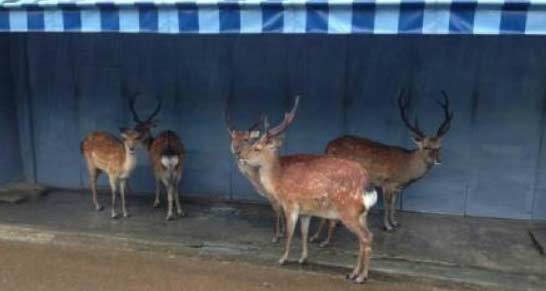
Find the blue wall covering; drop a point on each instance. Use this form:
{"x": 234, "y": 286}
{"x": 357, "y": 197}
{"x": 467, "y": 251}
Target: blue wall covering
{"x": 493, "y": 157}
{"x": 10, "y": 156}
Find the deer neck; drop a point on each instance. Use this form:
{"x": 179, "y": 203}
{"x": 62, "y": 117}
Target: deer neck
{"x": 129, "y": 162}
{"x": 270, "y": 174}
{"x": 252, "y": 174}
{"x": 419, "y": 166}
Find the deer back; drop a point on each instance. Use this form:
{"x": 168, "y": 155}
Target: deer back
{"x": 167, "y": 143}
{"x": 104, "y": 150}
{"x": 384, "y": 163}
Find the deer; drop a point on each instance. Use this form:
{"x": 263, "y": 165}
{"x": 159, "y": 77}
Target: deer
{"x": 106, "y": 153}
{"x": 315, "y": 185}
{"x": 167, "y": 155}
{"x": 392, "y": 168}
{"x": 240, "y": 139}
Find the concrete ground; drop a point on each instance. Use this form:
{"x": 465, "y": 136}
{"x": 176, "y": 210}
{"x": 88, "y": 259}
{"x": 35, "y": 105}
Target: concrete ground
{"x": 451, "y": 252}
{"x": 57, "y": 268}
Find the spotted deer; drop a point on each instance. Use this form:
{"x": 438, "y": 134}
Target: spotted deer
{"x": 393, "y": 168}
{"x": 316, "y": 185}
{"x": 104, "y": 152}
{"x": 167, "y": 155}
{"x": 240, "y": 139}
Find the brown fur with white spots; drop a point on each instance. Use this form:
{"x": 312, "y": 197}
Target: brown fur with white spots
{"x": 106, "y": 153}
{"x": 392, "y": 168}
{"x": 314, "y": 185}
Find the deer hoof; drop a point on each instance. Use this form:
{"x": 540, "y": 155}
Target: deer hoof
{"x": 361, "y": 280}
{"x": 313, "y": 239}
{"x": 324, "y": 244}
{"x": 275, "y": 239}
{"x": 99, "y": 207}
{"x": 389, "y": 229}
{"x": 350, "y": 277}
{"x": 170, "y": 217}
{"x": 282, "y": 261}
{"x": 114, "y": 215}
{"x": 156, "y": 204}
{"x": 126, "y": 214}
{"x": 396, "y": 224}
{"x": 302, "y": 261}
{"x": 181, "y": 213}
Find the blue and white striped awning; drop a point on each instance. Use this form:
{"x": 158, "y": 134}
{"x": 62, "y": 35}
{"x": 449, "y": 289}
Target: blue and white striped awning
{"x": 277, "y": 16}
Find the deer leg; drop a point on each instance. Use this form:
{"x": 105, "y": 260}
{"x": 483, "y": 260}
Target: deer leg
{"x": 359, "y": 228}
{"x": 277, "y": 228}
{"x": 387, "y": 197}
{"x": 177, "y": 197}
{"x": 291, "y": 219}
{"x": 331, "y": 229}
{"x": 355, "y": 228}
{"x": 157, "y": 192}
{"x": 316, "y": 236}
{"x": 113, "y": 182}
{"x": 122, "y": 186}
{"x": 304, "y": 225}
{"x": 393, "y": 221}
{"x": 170, "y": 194}
{"x": 366, "y": 250}
{"x": 93, "y": 176}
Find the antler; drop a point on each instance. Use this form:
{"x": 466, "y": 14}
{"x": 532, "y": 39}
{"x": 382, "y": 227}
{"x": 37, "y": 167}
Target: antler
{"x": 157, "y": 109}
{"x": 448, "y": 116}
{"x": 136, "y": 118}
{"x": 288, "y": 119}
{"x": 403, "y": 104}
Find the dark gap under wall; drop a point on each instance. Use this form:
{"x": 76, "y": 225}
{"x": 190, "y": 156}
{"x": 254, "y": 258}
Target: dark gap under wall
{"x": 349, "y": 85}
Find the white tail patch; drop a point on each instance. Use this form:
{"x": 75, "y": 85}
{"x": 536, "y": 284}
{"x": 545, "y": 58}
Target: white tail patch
{"x": 369, "y": 199}
{"x": 169, "y": 161}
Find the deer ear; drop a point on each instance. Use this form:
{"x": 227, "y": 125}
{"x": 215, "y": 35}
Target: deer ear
{"x": 123, "y": 131}
{"x": 417, "y": 140}
{"x": 255, "y": 134}
{"x": 276, "y": 141}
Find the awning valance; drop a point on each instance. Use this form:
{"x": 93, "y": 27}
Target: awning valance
{"x": 277, "y": 16}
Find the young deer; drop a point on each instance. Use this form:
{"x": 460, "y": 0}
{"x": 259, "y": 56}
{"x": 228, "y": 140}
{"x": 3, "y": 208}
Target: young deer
{"x": 392, "y": 168}
{"x": 239, "y": 140}
{"x": 167, "y": 157}
{"x": 104, "y": 152}
{"x": 316, "y": 185}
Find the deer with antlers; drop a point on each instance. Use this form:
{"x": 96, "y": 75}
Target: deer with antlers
{"x": 106, "y": 153}
{"x": 239, "y": 140}
{"x": 392, "y": 168}
{"x": 315, "y": 185}
{"x": 166, "y": 155}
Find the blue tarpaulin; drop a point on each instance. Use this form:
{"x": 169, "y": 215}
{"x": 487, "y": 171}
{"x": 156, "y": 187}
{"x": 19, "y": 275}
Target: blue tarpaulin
{"x": 277, "y": 16}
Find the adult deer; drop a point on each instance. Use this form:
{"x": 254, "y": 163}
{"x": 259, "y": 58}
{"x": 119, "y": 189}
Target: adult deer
{"x": 166, "y": 155}
{"x": 239, "y": 140}
{"x": 316, "y": 185}
{"x": 104, "y": 152}
{"x": 393, "y": 168}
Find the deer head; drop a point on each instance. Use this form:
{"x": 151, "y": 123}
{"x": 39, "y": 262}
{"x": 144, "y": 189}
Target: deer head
{"x": 428, "y": 146}
{"x": 144, "y": 126}
{"x": 131, "y": 138}
{"x": 269, "y": 142}
{"x": 241, "y": 138}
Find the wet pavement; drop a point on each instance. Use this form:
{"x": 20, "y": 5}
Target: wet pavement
{"x": 489, "y": 253}
{"x": 54, "y": 268}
